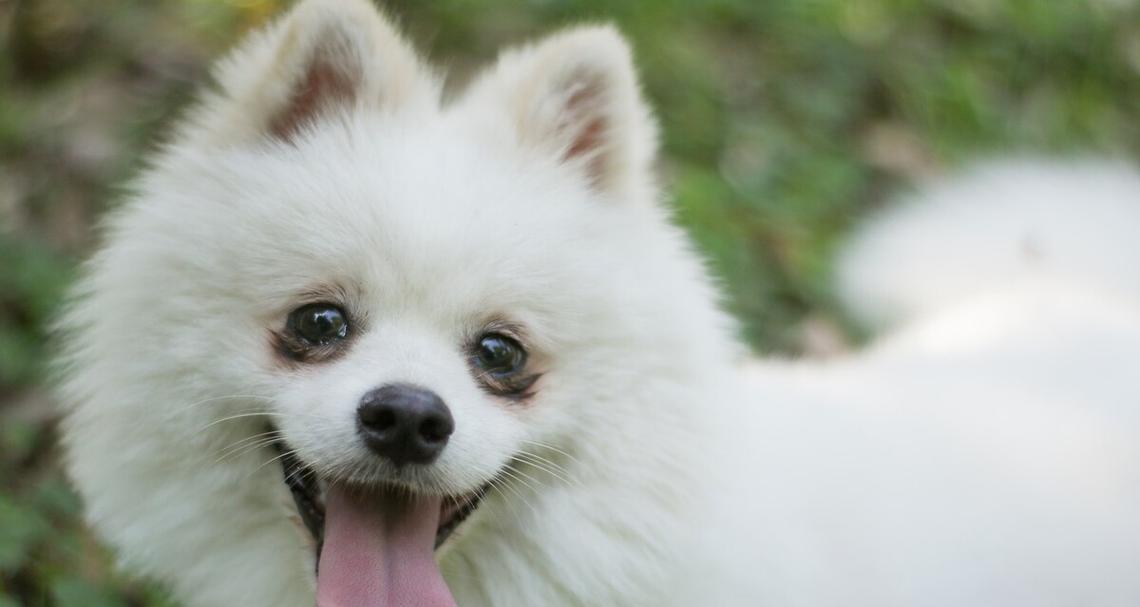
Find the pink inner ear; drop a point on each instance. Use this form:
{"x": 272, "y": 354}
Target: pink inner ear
{"x": 588, "y": 128}
{"x": 589, "y": 139}
{"x": 322, "y": 86}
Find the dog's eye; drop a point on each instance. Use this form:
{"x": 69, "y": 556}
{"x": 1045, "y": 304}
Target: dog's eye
{"x": 319, "y": 323}
{"x": 499, "y": 354}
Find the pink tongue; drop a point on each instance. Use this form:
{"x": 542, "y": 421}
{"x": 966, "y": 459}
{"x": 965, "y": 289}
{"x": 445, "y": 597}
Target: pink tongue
{"x": 379, "y": 551}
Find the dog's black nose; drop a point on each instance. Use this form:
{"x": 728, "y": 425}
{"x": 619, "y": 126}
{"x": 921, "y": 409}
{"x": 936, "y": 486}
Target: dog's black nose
{"x": 404, "y": 423}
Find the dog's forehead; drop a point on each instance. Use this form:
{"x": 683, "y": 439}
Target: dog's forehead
{"x": 431, "y": 198}
{"x": 404, "y": 210}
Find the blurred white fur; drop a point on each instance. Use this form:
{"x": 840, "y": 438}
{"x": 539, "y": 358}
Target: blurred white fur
{"x": 999, "y": 225}
{"x": 984, "y": 449}
{"x": 984, "y": 452}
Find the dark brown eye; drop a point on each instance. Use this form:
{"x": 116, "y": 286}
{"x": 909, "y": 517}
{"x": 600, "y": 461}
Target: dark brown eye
{"x": 319, "y": 324}
{"x": 499, "y": 355}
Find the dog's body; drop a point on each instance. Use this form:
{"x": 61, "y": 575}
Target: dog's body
{"x": 983, "y": 453}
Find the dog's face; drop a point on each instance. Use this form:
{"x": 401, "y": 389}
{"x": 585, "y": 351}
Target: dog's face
{"x": 409, "y": 324}
{"x": 413, "y": 276}
{"x": 417, "y": 305}
{"x": 405, "y": 266}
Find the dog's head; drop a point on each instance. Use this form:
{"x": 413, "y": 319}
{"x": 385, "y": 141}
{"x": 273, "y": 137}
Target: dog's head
{"x": 413, "y": 305}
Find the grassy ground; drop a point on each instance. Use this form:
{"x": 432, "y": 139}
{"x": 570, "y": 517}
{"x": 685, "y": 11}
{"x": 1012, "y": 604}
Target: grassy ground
{"x": 784, "y": 121}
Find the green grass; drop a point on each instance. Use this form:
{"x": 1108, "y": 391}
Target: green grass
{"x": 784, "y": 121}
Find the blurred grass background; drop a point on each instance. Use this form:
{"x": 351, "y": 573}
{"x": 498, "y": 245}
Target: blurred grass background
{"x": 784, "y": 121}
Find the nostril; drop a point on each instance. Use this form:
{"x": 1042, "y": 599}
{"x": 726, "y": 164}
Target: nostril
{"x": 378, "y": 418}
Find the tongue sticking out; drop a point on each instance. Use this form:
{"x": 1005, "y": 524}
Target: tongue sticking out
{"x": 379, "y": 551}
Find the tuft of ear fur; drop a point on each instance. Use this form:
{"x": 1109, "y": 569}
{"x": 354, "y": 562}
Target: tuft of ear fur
{"x": 575, "y": 95}
{"x": 323, "y": 57}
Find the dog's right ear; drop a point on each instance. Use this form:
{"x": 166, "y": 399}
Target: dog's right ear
{"x": 322, "y": 58}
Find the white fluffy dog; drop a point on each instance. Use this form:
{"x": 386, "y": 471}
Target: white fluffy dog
{"x": 354, "y": 346}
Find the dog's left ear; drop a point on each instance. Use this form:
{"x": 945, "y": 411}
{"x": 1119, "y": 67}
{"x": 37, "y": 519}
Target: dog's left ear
{"x": 322, "y": 59}
{"x": 574, "y": 96}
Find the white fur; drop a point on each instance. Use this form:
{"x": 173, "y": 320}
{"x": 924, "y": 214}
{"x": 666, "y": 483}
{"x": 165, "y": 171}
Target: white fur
{"x": 984, "y": 451}
{"x": 934, "y": 469}
{"x": 1023, "y": 225}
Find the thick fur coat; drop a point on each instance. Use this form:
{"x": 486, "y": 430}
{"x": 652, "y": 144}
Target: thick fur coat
{"x": 983, "y": 451}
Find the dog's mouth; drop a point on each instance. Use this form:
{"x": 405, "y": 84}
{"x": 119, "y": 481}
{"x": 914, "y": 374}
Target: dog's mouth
{"x": 308, "y": 496}
{"x": 375, "y": 545}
